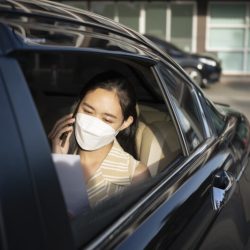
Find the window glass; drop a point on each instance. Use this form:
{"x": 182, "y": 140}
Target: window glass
{"x": 129, "y": 13}
{"x": 77, "y": 4}
{"x": 227, "y": 13}
{"x": 248, "y": 61}
{"x": 228, "y": 31}
{"x": 186, "y": 107}
{"x": 248, "y": 54}
{"x": 182, "y": 25}
{"x": 248, "y": 39}
{"x": 104, "y": 8}
{"x": 56, "y": 81}
{"x": 156, "y": 19}
{"x": 226, "y": 38}
{"x": 231, "y": 61}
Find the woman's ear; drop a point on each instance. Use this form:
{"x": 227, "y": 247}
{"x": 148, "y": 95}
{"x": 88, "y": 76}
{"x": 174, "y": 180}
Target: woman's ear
{"x": 127, "y": 123}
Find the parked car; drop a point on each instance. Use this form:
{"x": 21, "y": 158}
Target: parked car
{"x": 202, "y": 69}
{"x": 197, "y": 152}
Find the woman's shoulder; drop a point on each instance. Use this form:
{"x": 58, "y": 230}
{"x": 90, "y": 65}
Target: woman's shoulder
{"x": 120, "y": 167}
{"x": 117, "y": 148}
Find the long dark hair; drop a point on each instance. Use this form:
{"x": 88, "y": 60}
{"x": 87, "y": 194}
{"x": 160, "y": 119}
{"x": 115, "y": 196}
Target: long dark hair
{"x": 114, "y": 81}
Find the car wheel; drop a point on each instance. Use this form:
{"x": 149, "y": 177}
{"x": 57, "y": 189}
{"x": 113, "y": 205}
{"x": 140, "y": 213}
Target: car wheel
{"x": 195, "y": 75}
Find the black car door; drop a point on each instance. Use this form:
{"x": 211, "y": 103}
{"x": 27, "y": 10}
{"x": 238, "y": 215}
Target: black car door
{"x": 224, "y": 216}
{"x": 201, "y": 198}
{"x": 32, "y": 214}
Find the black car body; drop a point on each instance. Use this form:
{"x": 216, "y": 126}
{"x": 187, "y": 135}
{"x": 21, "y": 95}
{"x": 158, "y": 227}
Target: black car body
{"x": 202, "y": 69}
{"x": 198, "y": 195}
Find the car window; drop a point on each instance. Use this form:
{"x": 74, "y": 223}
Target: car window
{"x": 55, "y": 80}
{"x": 186, "y": 107}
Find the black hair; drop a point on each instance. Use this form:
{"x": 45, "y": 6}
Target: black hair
{"x": 114, "y": 81}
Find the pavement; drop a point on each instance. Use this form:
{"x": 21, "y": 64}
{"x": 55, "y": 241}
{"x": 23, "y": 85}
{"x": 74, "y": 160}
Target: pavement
{"x": 234, "y": 92}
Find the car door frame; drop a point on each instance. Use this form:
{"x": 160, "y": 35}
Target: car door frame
{"x": 210, "y": 135}
{"x": 46, "y": 201}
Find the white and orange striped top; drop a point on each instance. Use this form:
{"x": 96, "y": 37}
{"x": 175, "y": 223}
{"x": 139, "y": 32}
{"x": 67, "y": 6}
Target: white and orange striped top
{"x": 113, "y": 176}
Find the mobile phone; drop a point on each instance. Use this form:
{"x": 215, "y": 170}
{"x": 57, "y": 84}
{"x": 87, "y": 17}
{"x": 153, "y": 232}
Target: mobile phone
{"x": 65, "y": 134}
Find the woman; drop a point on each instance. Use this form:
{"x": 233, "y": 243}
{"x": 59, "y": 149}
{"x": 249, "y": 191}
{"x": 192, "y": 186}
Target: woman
{"x": 106, "y": 110}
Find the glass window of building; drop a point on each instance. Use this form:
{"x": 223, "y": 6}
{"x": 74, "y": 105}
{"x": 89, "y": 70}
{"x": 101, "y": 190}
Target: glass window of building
{"x": 228, "y": 33}
{"x": 182, "y": 25}
{"x": 156, "y": 19}
{"x": 129, "y": 13}
{"x": 104, "y": 8}
{"x": 77, "y": 4}
{"x": 169, "y": 21}
{"x": 230, "y": 14}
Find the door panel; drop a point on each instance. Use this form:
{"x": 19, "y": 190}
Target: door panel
{"x": 185, "y": 217}
{"x": 32, "y": 158}
{"x": 244, "y": 183}
{"x": 20, "y": 223}
{"x": 227, "y": 231}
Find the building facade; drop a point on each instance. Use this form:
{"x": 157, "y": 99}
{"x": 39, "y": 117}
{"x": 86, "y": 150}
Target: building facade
{"x": 221, "y": 28}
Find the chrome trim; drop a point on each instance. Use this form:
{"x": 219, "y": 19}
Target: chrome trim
{"x": 221, "y": 196}
{"x": 243, "y": 169}
{"x": 125, "y": 217}
{"x": 203, "y": 116}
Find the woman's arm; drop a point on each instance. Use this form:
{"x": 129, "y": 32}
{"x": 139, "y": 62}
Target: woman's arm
{"x": 141, "y": 173}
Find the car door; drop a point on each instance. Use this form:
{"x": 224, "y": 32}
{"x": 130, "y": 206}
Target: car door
{"x": 201, "y": 200}
{"x": 225, "y": 210}
{"x": 33, "y": 214}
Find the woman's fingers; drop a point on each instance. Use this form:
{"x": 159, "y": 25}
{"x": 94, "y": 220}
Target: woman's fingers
{"x": 58, "y": 122}
{"x": 63, "y": 130}
{"x": 68, "y": 120}
{"x": 65, "y": 138}
{"x": 66, "y": 124}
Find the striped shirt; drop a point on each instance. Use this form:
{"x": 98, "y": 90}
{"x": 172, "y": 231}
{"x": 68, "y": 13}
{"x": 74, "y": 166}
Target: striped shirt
{"x": 113, "y": 176}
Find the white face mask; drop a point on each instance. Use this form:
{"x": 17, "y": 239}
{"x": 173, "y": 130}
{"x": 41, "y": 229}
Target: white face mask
{"x": 92, "y": 133}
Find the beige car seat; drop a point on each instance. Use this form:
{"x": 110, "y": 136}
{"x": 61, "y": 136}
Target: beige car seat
{"x": 157, "y": 143}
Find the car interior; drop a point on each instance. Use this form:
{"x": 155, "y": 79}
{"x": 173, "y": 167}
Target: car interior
{"x": 56, "y": 79}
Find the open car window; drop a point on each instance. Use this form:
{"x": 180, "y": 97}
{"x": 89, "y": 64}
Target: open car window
{"x": 55, "y": 80}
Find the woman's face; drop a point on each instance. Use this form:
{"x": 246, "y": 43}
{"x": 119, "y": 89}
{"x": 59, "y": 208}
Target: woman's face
{"x": 104, "y": 105}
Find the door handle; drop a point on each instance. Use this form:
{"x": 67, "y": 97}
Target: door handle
{"x": 223, "y": 187}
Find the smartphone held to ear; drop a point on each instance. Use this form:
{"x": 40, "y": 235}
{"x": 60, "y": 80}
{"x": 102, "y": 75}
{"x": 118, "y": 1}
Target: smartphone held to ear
{"x": 65, "y": 134}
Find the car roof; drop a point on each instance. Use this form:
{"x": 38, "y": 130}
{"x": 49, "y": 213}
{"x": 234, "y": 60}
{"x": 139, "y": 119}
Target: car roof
{"x": 29, "y": 20}
{"x": 164, "y": 43}
{"x": 57, "y": 10}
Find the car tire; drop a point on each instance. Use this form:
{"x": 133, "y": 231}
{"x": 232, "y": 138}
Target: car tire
{"x": 195, "y": 75}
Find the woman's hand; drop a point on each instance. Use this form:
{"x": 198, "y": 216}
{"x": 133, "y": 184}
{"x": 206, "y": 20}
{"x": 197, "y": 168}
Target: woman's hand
{"x": 59, "y": 140}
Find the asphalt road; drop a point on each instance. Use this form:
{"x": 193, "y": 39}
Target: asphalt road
{"x": 236, "y": 94}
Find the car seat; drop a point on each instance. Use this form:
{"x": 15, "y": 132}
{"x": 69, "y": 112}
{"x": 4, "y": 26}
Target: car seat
{"x": 157, "y": 142}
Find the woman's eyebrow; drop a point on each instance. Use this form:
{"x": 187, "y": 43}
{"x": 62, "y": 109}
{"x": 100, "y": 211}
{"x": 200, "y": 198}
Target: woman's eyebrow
{"x": 107, "y": 114}
{"x": 89, "y": 106}
{"x": 111, "y": 115}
